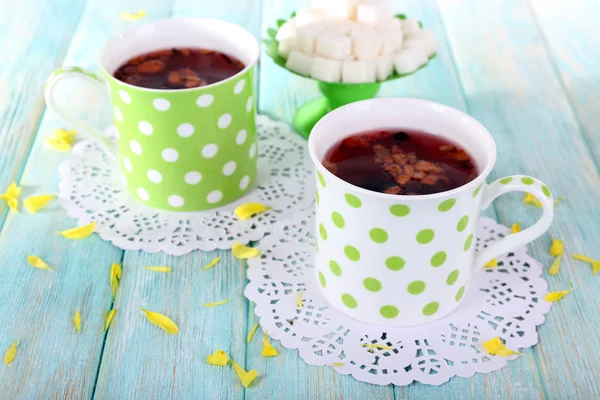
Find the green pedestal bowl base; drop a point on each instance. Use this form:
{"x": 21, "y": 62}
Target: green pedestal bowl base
{"x": 334, "y": 95}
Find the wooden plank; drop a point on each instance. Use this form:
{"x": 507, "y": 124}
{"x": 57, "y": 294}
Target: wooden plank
{"x": 39, "y": 305}
{"x": 513, "y": 89}
{"x": 141, "y": 361}
{"x": 570, "y": 32}
{"x": 33, "y": 38}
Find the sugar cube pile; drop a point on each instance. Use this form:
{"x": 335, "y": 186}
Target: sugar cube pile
{"x": 353, "y": 41}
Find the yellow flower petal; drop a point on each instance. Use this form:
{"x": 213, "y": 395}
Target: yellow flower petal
{"x": 115, "y": 286}
{"x": 219, "y": 358}
{"x": 159, "y": 269}
{"x": 109, "y": 318}
{"x": 66, "y": 135}
{"x": 252, "y": 332}
{"x": 496, "y": 347}
{"x": 243, "y": 252}
{"x": 11, "y": 353}
{"x": 515, "y": 228}
{"x": 595, "y": 267}
{"x": 37, "y": 262}
{"x": 373, "y": 346}
{"x": 555, "y": 296}
{"x": 131, "y": 16}
{"x": 557, "y": 247}
{"x": 13, "y": 203}
{"x": 212, "y": 263}
{"x": 115, "y": 272}
{"x": 217, "y": 303}
{"x": 530, "y": 199}
{"x": 80, "y": 232}
{"x": 34, "y": 204}
{"x": 57, "y": 144}
{"x": 268, "y": 349}
{"x": 492, "y": 263}
{"x": 245, "y": 377}
{"x": 248, "y": 210}
{"x": 162, "y": 321}
{"x": 555, "y": 267}
{"x": 299, "y": 299}
{"x": 12, "y": 190}
{"x": 337, "y": 364}
{"x": 583, "y": 258}
{"x": 77, "y": 321}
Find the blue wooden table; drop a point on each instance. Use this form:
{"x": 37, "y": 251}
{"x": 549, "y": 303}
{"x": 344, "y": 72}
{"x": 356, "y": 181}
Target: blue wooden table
{"x": 528, "y": 70}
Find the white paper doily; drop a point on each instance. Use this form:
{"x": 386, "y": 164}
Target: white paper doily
{"x": 91, "y": 190}
{"x": 506, "y": 301}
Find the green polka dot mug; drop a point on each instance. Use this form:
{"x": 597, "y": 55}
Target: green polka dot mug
{"x": 178, "y": 150}
{"x": 407, "y": 260}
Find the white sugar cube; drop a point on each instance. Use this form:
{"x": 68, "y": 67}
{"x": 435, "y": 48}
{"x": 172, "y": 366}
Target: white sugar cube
{"x": 299, "y": 62}
{"x": 326, "y": 70}
{"x": 333, "y": 45}
{"x": 423, "y": 39}
{"x": 286, "y": 30}
{"x": 384, "y": 67}
{"x": 306, "y": 36}
{"x": 410, "y": 26}
{"x": 391, "y": 40}
{"x": 358, "y": 71}
{"x": 409, "y": 60}
{"x": 392, "y": 23}
{"x": 366, "y": 44}
{"x": 339, "y": 25}
{"x": 307, "y": 16}
{"x": 286, "y": 45}
{"x": 373, "y": 12}
{"x": 341, "y": 8}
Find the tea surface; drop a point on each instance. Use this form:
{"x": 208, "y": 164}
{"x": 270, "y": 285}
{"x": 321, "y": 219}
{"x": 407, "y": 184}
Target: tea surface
{"x": 403, "y": 163}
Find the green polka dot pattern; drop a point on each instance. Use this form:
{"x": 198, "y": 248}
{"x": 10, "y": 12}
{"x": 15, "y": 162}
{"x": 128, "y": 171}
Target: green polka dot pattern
{"x": 506, "y": 180}
{"x": 322, "y": 232}
{"x": 187, "y": 150}
{"x": 460, "y": 293}
{"x": 416, "y": 287}
{"x": 462, "y": 223}
{"x": 438, "y": 259}
{"x": 527, "y": 180}
{"x": 388, "y": 312}
{"x": 546, "y": 191}
{"x": 372, "y": 284}
{"x": 352, "y": 253}
{"x": 425, "y": 236}
{"x": 446, "y": 205}
{"x": 431, "y": 308}
{"x": 378, "y": 235}
{"x": 335, "y": 268}
{"x": 322, "y": 280}
{"x": 321, "y": 180}
{"x": 317, "y": 197}
{"x": 352, "y": 200}
{"x": 349, "y": 301}
{"x": 395, "y": 263}
{"x": 452, "y": 277}
{"x": 468, "y": 243}
{"x": 338, "y": 220}
{"x": 399, "y": 210}
{"x": 476, "y": 192}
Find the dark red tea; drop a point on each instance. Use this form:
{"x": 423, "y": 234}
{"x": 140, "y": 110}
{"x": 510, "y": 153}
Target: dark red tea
{"x": 178, "y": 68}
{"x": 404, "y": 163}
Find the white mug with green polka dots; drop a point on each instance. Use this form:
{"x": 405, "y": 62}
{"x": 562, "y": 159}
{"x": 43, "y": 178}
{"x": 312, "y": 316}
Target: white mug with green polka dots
{"x": 178, "y": 150}
{"x": 407, "y": 260}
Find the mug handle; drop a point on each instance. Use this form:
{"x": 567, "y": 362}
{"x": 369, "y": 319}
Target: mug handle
{"x": 516, "y": 183}
{"x": 80, "y": 125}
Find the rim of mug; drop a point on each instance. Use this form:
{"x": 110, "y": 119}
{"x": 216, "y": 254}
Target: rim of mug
{"x": 251, "y": 64}
{"x": 475, "y": 182}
